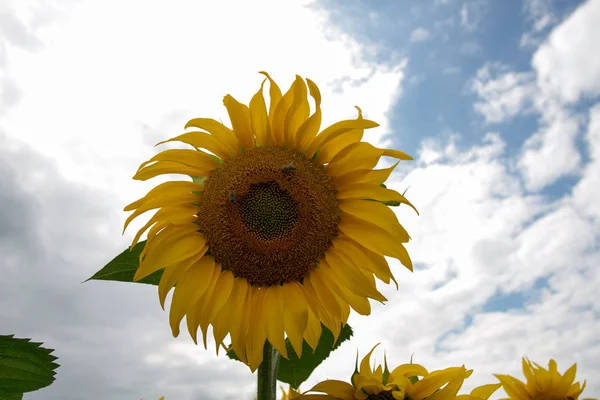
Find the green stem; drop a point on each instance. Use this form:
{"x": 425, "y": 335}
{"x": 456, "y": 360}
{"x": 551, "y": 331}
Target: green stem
{"x": 267, "y": 374}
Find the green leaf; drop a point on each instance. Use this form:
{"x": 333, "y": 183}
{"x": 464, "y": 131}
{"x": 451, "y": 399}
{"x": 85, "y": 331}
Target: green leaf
{"x": 296, "y": 370}
{"x": 122, "y": 268}
{"x": 11, "y": 396}
{"x": 24, "y": 367}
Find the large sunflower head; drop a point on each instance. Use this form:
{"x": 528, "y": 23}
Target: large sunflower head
{"x": 405, "y": 382}
{"x": 282, "y": 227}
{"x": 543, "y": 384}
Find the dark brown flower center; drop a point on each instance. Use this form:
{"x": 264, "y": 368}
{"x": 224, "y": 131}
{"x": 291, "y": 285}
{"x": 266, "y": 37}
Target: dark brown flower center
{"x": 381, "y": 396}
{"x": 269, "y": 214}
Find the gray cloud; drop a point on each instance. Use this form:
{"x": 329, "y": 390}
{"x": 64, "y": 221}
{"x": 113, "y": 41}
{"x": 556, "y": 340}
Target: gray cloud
{"x": 10, "y": 94}
{"x": 17, "y": 33}
{"x": 112, "y": 339}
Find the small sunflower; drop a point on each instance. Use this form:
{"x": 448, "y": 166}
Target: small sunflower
{"x": 543, "y": 384}
{"x": 402, "y": 383}
{"x": 281, "y": 228}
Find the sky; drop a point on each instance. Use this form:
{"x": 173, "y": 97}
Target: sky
{"x": 498, "y": 101}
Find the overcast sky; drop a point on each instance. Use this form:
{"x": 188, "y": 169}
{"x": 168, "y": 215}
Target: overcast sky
{"x": 498, "y": 101}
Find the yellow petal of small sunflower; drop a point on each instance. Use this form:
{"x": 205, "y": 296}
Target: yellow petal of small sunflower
{"x": 541, "y": 383}
{"x": 368, "y": 383}
{"x": 293, "y": 241}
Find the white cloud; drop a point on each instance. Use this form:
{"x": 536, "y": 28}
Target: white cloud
{"x": 551, "y": 153}
{"x": 568, "y": 63}
{"x": 586, "y": 195}
{"x": 420, "y": 35}
{"x": 504, "y": 94}
{"x": 566, "y": 69}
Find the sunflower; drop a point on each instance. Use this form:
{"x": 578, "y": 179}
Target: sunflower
{"x": 542, "y": 384}
{"x": 281, "y": 228}
{"x": 402, "y": 383}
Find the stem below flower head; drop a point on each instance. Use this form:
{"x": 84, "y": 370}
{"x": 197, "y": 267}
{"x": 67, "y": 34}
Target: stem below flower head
{"x": 267, "y": 374}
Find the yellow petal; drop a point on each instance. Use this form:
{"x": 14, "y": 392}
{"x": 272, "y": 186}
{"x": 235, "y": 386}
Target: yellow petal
{"x": 279, "y": 116}
{"x": 231, "y": 317}
{"x": 369, "y": 260}
{"x": 528, "y": 372}
{"x": 295, "y": 317}
{"x": 514, "y": 388}
{"x": 320, "y": 309}
{"x": 260, "y": 118}
{"x": 239, "y": 322}
{"x": 365, "y": 368}
{"x": 189, "y": 289}
{"x": 174, "y": 250}
{"x": 200, "y": 308}
{"x": 175, "y": 199}
{"x": 400, "y": 155}
{"x": 407, "y": 370}
{"x": 374, "y": 238}
{"x": 212, "y": 301}
{"x": 182, "y": 214}
{"x": 256, "y": 330}
{"x": 334, "y": 146}
{"x": 356, "y": 156}
{"x": 219, "y": 131}
{"x": 338, "y": 389}
{"x": 239, "y": 114}
{"x": 202, "y": 140}
{"x": 159, "y": 237}
{"x": 335, "y": 130}
{"x": 174, "y": 273}
{"x": 434, "y": 381}
{"x": 485, "y": 391}
{"x": 313, "y": 330}
{"x": 166, "y": 189}
{"x": 273, "y": 317}
{"x": 373, "y": 176}
{"x": 324, "y": 294}
{"x": 374, "y": 192}
{"x": 567, "y": 379}
{"x": 309, "y": 129}
{"x": 168, "y": 167}
{"x": 349, "y": 276}
{"x": 298, "y": 112}
{"x": 359, "y": 303}
{"x": 192, "y": 158}
{"x": 375, "y": 213}
{"x": 274, "y": 95}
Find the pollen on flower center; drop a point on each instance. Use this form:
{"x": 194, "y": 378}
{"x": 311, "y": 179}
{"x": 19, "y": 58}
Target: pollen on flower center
{"x": 381, "y": 396}
{"x": 269, "y": 214}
